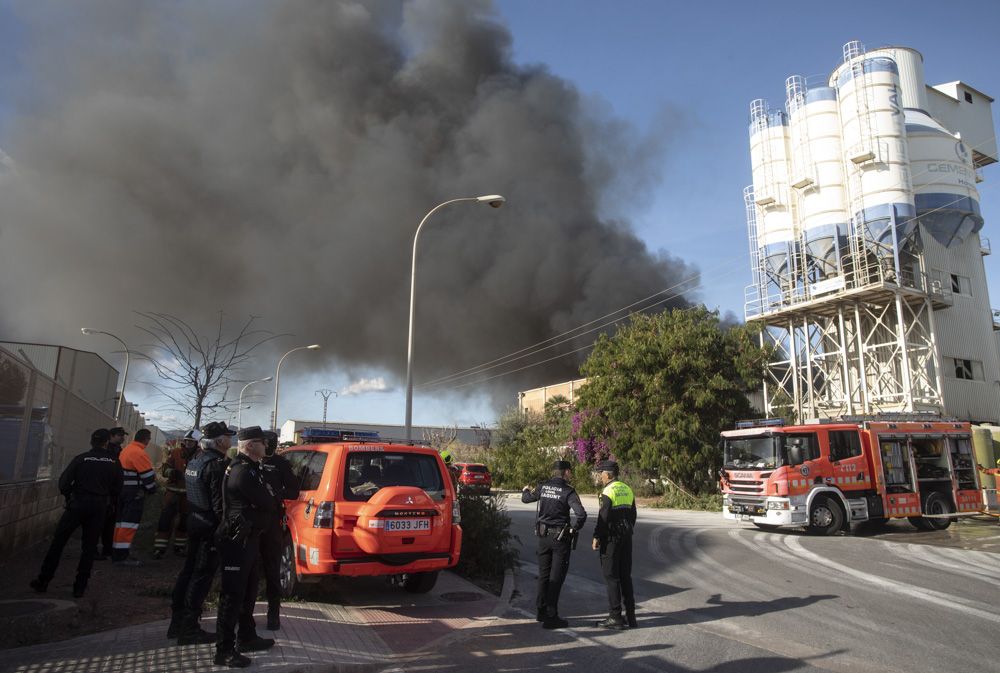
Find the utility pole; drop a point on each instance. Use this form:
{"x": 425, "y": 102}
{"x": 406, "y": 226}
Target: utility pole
{"x": 325, "y": 392}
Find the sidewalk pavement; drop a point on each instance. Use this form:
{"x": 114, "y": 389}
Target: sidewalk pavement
{"x": 382, "y": 624}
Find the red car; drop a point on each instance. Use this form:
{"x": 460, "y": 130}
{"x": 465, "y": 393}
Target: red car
{"x": 474, "y": 478}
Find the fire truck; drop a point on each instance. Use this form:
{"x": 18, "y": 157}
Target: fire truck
{"x": 832, "y": 473}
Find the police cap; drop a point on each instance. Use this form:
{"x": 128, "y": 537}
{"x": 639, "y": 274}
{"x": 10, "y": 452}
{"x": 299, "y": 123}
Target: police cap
{"x": 216, "y": 429}
{"x": 117, "y": 431}
{"x": 607, "y": 466}
{"x": 562, "y": 465}
{"x": 251, "y": 432}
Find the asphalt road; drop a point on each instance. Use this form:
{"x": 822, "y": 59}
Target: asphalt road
{"x": 721, "y": 597}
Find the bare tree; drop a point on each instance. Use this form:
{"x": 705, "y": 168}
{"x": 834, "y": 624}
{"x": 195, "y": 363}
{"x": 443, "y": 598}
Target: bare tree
{"x": 196, "y": 372}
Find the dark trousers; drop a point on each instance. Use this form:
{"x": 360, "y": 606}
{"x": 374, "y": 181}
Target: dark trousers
{"x": 271, "y": 542}
{"x": 174, "y": 509}
{"x": 108, "y": 530}
{"x": 553, "y": 563}
{"x": 240, "y": 578}
{"x": 195, "y": 579}
{"x": 89, "y": 515}
{"x": 616, "y": 565}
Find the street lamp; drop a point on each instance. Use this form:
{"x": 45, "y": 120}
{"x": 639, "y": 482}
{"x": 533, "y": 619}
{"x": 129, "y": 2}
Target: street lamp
{"x": 118, "y": 407}
{"x": 277, "y": 380}
{"x": 239, "y": 422}
{"x": 495, "y": 201}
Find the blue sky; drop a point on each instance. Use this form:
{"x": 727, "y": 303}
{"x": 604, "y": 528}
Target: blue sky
{"x": 688, "y": 70}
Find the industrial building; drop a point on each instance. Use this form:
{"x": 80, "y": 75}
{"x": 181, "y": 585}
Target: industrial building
{"x": 867, "y": 260}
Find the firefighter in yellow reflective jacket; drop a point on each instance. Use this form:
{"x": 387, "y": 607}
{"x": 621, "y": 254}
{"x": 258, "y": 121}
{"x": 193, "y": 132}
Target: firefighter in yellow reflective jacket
{"x": 613, "y": 539}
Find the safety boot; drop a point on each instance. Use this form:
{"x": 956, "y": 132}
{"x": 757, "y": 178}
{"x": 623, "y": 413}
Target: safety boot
{"x": 255, "y": 644}
{"x": 615, "y": 623}
{"x": 555, "y": 622}
{"x": 232, "y": 659}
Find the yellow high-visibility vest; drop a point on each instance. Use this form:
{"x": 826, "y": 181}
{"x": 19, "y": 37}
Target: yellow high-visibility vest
{"x": 619, "y": 494}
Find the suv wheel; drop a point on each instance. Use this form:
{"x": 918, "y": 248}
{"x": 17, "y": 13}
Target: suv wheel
{"x": 420, "y": 583}
{"x": 288, "y": 577}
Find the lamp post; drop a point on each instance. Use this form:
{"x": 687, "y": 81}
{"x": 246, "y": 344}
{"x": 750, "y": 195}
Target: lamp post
{"x": 325, "y": 392}
{"x": 495, "y": 201}
{"x": 239, "y": 417}
{"x": 277, "y": 380}
{"x": 118, "y": 407}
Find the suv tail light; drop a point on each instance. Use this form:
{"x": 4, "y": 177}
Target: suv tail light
{"x": 324, "y": 515}
{"x": 456, "y": 512}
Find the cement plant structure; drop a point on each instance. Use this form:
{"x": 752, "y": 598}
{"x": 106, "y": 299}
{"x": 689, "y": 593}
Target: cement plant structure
{"x": 864, "y": 220}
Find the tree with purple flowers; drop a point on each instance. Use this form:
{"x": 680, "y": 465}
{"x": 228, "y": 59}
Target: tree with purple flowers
{"x": 665, "y": 385}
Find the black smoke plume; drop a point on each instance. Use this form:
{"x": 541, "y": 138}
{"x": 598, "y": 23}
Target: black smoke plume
{"x": 275, "y": 158}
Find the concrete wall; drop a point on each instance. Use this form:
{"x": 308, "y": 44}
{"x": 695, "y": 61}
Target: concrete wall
{"x": 533, "y": 401}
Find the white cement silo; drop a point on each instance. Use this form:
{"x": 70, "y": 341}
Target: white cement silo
{"x": 769, "y": 141}
{"x": 818, "y": 176}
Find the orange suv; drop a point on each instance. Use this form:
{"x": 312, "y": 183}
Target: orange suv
{"x": 370, "y": 507}
{"x": 474, "y": 478}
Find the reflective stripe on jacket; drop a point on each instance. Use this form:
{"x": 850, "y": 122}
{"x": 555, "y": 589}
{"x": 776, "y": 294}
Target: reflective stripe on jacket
{"x": 137, "y": 470}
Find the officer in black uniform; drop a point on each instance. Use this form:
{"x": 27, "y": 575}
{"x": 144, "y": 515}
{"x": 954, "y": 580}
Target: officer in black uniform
{"x": 279, "y": 476}
{"x": 108, "y": 530}
{"x": 555, "y": 536}
{"x": 89, "y": 483}
{"x": 203, "y": 483}
{"x": 613, "y": 539}
{"x": 247, "y": 505}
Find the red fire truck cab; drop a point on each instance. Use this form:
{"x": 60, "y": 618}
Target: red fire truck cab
{"x": 826, "y": 475}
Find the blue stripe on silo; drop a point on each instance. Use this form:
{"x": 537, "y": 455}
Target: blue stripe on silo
{"x": 877, "y": 64}
{"x": 946, "y": 202}
{"x": 821, "y": 93}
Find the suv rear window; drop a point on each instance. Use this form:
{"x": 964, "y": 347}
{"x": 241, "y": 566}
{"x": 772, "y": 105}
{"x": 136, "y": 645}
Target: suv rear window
{"x": 367, "y": 472}
{"x": 475, "y": 468}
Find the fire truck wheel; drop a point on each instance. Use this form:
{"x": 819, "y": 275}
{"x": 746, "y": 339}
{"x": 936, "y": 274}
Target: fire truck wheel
{"x": 937, "y": 503}
{"x": 825, "y": 517}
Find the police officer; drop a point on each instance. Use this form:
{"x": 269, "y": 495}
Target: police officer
{"x": 108, "y": 531}
{"x": 613, "y": 539}
{"x": 279, "y": 476}
{"x": 247, "y": 505}
{"x": 555, "y": 535}
{"x": 203, "y": 484}
{"x": 89, "y": 483}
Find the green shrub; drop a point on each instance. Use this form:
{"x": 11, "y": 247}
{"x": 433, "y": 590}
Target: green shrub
{"x": 487, "y": 551}
{"x": 675, "y": 499}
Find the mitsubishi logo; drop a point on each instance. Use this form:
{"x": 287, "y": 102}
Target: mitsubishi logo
{"x": 409, "y": 500}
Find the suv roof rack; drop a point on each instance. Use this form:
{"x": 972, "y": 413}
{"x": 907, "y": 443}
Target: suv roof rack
{"x": 760, "y": 423}
{"x": 360, "y": 436}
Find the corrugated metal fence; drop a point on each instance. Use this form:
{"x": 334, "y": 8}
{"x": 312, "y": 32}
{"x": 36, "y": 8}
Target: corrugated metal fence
{"x": 51, "y": 399}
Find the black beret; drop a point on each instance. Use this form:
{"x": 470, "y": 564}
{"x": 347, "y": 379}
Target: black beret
{"x": 251, "y": 432}
{"x": 561, "y": 465}
{"x": 100, "y": 435}
{"x": 607, "y": 466}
